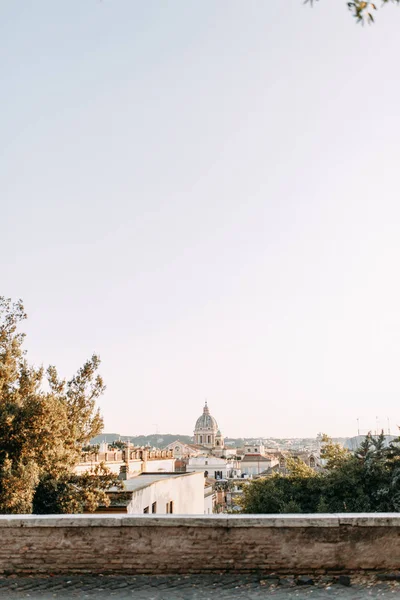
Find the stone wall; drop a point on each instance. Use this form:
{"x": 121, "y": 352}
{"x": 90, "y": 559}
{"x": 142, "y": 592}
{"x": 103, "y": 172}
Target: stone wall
{"x": 199, "y": 544}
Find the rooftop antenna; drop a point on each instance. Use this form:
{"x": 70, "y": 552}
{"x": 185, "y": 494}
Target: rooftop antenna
{"x": 388, "y": 422}
{"x": 358, "y": 426}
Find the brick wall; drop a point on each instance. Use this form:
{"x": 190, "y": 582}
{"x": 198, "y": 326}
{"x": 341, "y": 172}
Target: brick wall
{"x": 171, "y": 544}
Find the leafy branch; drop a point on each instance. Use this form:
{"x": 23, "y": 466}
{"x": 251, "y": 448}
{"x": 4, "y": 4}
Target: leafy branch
{"x": 362, "y": 10}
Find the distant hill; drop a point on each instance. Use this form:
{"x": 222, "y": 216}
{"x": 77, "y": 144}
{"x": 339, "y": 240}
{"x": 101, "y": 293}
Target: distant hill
{"x": 159, "y": 440}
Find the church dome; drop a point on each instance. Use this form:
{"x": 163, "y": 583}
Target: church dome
{"x": 206, "y": 421}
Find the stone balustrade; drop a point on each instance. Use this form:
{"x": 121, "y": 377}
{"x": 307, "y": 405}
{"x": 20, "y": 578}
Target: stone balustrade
{"x": 120, "y": 455}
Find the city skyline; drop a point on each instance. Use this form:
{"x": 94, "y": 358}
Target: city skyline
{"x": 207, "y": 196}
{"x": 361, "y": 426}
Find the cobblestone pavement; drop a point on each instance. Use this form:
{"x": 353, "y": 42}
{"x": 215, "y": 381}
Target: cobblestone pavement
{"x": 196, "y": 587}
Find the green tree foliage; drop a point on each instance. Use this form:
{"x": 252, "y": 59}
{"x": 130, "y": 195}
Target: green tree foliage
{"x": 298, "y": 468}
{"x": 42, "y": 431}
{"x": 365, "y": 481}
{"x": 334, "y": 454}
{"x": 71, "y": 493}
{"x": 362, "y": 10}
{"x": 117, "y": 445}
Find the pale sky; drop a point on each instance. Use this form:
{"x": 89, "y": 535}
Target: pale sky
{"x": 206, "y": 193}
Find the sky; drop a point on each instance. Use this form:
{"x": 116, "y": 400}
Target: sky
{"x": 206, "y": 194}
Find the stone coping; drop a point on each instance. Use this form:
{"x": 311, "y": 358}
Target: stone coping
{"x": 225, "y": 521}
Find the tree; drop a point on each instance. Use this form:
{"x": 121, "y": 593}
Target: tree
{"x": 298, "y": 468}
{"x": 71, "y": 493}
{"x": 365, "y": 481}
{"x": 333, "y": 454}
{"x": 117, "y": 445}
{"x": 282, "y": 494}
{"x": 42, "y": 432}
{"x": 362, "y": 10}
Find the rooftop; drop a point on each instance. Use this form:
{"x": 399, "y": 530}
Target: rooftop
{"x": 145, "y": 479}
{"x": 255, "y": 458}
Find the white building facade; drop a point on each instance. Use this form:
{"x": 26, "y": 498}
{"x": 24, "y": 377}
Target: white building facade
{"x": 181, "y": 494}
{"x": 213, "y": 467}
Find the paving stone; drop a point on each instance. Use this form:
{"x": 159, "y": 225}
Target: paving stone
{"x": 196, "y": 587}
{"x": 287, "y": 581}
{"x": 304, "y": 580}
{"x": 388, "y": 576}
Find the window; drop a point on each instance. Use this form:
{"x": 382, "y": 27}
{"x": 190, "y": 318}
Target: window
{"x": 154, "y": 507}
{"x": 171, "y": 507}
{"x": 255, "y": 450}
{"x": 209, "y": 439}
{"x": 201, "y": 439}
{"x": 217, "y": 443}
{"x": 206, "y": 462}
{"x": 146, "y": 510}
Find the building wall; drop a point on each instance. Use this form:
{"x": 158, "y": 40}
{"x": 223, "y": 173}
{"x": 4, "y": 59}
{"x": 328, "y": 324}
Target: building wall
{"x": 169, "y": 544}
{"x": 186, "y": 492}
{"x": 211, "y": 464}
{"x": 164, "y": 464}
{"x": 209, "y": 501}
{"x": 254, "y": 467}
{"x": 181, "y": 450}
{"x": 254, "y": 449}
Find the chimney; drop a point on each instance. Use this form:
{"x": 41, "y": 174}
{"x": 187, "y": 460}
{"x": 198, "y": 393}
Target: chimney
{"x": 123, "y": 473}
{"x": 126, "y": 456}
{"x": 144, "y": 461}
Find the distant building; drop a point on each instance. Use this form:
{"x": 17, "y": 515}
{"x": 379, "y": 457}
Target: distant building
{"x": 254, "y": 449}
{"x": 255, "y": 460}
{"x": 310, "y": 459}
{"x": 207, "y": 453}
{"x": 181, "y": 450}
{"x": 354, "y": 443}
{"x": 209, "y": 498}
{"x": 213, "y": 467}
{"x": 207, "y": 434}
{"x": 254, "y": 464}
